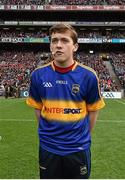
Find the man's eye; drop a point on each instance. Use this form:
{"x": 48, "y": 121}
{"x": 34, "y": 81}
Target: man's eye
{"x": 61, "y": 40}
{"x": 54, "y": 40}
{"x": 65, "y": 40}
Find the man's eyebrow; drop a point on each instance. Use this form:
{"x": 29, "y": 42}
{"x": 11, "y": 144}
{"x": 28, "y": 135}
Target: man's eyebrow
{"x": 62, "y": 38}
{"x": 54, "y": 38}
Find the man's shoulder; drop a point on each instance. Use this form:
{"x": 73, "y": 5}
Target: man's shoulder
{"x": 87, "y": 69}
{"x": 41, "y": 68}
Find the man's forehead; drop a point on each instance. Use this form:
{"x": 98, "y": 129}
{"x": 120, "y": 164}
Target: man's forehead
{"x": 57, "y": 35}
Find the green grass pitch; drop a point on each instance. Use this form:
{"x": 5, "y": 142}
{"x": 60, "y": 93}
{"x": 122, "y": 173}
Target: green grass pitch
{"x": 19, "y": 143}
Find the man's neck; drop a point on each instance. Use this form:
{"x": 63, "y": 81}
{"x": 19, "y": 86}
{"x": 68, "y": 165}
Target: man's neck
{"x": 64, "y": 64}
{"x": 63, "y": 69}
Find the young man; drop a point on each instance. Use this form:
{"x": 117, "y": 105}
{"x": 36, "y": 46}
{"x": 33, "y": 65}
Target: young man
{"x": 66, "y": 98}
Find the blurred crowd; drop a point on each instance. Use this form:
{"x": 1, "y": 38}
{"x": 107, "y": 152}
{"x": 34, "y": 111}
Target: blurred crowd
{"x": 63, "y": 2}
{"x": 44, "y": 34}
{"x": 88, "y": 2}
{"x": 16, "y": 67}
{"x": 23, "y": 2}
{"x": 102, "y": 34}
{"x": 22, "y": 34}
{"x": 96, "y": 62}
{"x": 118, "y": 63}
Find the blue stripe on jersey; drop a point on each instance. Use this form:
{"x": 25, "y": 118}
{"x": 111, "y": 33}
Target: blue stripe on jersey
{"x": 64, "y": 138}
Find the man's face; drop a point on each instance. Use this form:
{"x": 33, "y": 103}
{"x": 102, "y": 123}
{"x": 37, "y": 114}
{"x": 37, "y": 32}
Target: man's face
{"x": 62, "y": 47}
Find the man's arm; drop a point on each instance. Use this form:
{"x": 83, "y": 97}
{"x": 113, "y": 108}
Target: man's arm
{"x": 37, "y": 112}
{"x": 93, "y": 117}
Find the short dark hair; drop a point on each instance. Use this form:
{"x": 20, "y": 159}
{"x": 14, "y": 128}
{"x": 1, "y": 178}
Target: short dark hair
{"x": 62, "y": 28}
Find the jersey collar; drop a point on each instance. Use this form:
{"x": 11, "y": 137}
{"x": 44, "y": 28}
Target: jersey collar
{"x": 64, "y": 70}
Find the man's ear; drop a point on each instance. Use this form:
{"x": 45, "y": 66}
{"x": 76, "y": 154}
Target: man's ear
{"x": 76, "y": 46}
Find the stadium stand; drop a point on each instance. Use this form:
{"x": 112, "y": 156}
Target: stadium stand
{"x": 96, "y": 62}
{"x": 88, "y": 2}
{"x": 18, "y": 33}
{"x": 16, "y": 64}
{"x": 118, "y": 62}
{"x": 63, "y": 2}
{"x": 86, "y": 33}
{"x": 16, "y": 68}
{"x": 23, "y": 2}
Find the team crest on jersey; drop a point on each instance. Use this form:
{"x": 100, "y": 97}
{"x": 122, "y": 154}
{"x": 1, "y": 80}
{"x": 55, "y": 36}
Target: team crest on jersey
{"x": 75, "y": 88}
{"x": 83, "y": 170}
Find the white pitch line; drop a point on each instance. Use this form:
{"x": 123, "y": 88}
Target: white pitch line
{"x": 111, "y": 121}
{"x": 120, "y": 102}
{"x": 16, "y": 120}
{"x": 33, "y": 120}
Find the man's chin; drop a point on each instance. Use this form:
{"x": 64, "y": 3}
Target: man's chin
{"x": 59, "y": 60}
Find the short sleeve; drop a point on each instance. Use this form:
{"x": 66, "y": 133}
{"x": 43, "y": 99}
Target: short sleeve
{"x": 93, "y": 99}
{"x": 34, "y": 99}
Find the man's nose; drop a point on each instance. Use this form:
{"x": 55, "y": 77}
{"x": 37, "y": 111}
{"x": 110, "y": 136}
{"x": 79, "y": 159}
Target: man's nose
{"x": 59, "y": 44}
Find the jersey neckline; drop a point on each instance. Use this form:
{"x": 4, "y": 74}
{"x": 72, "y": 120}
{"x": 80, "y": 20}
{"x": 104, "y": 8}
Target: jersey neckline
{"x": 64, "y": 70}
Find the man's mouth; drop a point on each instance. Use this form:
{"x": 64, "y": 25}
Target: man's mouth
{"x": 59, "y": 53}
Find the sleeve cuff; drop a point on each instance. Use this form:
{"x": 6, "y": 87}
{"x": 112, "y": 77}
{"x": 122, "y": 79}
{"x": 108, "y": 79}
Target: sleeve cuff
{"x": 96, "y": 106}
{"x": 31, "y": 102}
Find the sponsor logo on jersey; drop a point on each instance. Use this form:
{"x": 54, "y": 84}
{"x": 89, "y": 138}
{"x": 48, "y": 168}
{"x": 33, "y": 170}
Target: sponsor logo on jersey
{"x": 61, "y": 82}
{"x": 47, "y": 84}
{"x": 62, "y": 110}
